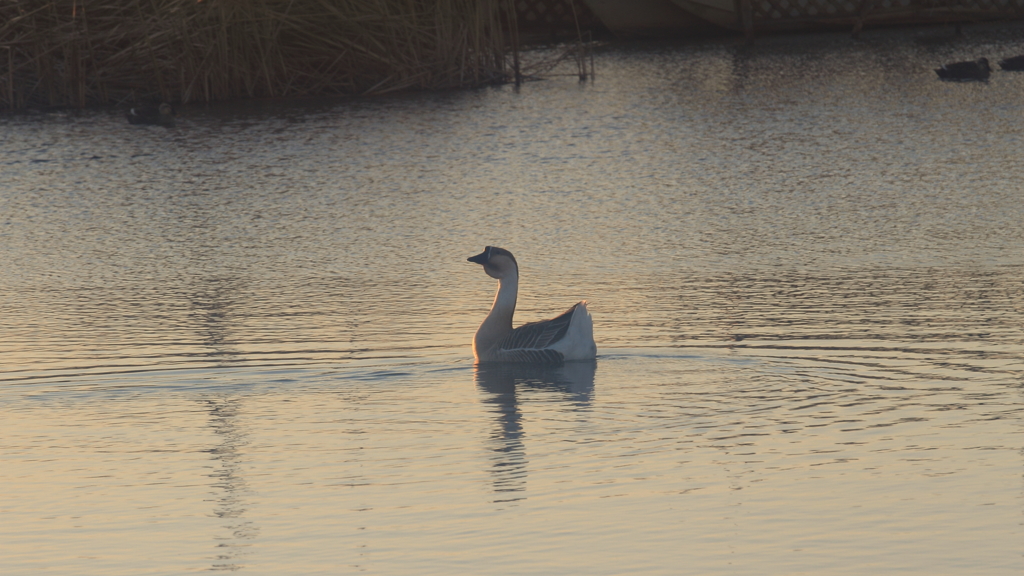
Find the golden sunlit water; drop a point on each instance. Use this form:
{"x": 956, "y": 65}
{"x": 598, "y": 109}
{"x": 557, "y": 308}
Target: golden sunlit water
{"x": 243, "y": 343}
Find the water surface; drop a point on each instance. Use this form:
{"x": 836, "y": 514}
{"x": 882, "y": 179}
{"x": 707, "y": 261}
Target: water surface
{"x": 243, "y": 343}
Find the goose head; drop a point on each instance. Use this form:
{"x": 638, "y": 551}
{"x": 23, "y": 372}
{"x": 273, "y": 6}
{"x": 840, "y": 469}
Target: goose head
{"x": 497, "y": 262}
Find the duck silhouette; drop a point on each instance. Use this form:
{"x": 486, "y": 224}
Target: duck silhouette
{"x": 969, "y": 70}
{"x": 162, "y": 115}
{"x": 1012, "y": 63}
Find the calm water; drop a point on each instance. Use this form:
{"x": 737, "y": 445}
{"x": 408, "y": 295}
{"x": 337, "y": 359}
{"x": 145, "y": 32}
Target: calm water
{"x": 244, "y": 343}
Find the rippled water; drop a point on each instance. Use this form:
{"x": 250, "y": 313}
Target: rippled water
{"x": 244, "y": 343}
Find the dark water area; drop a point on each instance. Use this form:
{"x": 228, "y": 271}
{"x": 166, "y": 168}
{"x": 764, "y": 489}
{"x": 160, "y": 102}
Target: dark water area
{"x": 243, "y": 343}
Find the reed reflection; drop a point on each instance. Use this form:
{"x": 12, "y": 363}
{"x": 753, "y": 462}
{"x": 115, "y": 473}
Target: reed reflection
{"x": 232, "y": 489}
{"x": 501, "y": 384}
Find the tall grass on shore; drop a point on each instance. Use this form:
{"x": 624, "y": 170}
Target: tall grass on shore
{"x": 82, "y": 52}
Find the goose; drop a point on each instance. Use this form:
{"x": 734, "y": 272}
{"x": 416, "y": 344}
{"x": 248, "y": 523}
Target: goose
{"x": 1012, "y": 63}
{"x": 970, "y": 70}
{"x": 565, "y": 338}
{"x": 162, "y": 115}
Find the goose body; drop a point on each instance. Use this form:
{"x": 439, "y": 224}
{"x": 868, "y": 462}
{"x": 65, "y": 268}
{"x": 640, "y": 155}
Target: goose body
{"x": 162, "y": 115}
{"x": 565, "y": 338}
{"x": 970, "y": 70}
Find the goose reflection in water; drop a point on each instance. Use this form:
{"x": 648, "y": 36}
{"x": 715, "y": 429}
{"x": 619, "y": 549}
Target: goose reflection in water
{"x": 499, "y": 384}
{"x": 233, "y": 489}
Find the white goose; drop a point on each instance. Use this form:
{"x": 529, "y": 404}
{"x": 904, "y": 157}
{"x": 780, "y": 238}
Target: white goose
{"x": 565, "y": 338}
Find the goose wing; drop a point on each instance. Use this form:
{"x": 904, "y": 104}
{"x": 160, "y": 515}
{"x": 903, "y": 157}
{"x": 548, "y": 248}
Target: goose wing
{"x": 530, "y": 342}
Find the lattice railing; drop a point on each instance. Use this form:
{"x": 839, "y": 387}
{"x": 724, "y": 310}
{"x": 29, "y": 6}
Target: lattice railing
{"x": 828, "y": 9}
{"x": 553, "y": 14}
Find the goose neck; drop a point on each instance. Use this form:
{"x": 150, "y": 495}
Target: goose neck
{"x": 505, "y": 300}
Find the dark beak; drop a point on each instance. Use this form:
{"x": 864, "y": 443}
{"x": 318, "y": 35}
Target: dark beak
{"x": 480, "y": 258}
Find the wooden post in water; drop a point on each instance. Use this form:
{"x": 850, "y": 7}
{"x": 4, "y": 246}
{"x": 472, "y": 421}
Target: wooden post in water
{"x": 581, "y": 58}
{"x": 593, "y": 71}
{"x": 10, "y": 77}
{"x": 745, "y": 13}
{"x": 862, "y": 14}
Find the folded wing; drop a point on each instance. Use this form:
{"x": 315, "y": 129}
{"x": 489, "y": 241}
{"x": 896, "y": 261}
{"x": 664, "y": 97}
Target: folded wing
{"x": 531, "y": 342}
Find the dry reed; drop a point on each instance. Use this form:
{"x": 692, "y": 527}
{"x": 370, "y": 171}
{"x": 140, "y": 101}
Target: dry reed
{"x": 82, "y": 52}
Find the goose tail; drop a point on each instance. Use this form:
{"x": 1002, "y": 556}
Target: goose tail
{"x": 578, "y": 343}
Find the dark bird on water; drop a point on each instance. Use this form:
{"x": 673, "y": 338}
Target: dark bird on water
{"x": 1012, "y": 63}
{"x": 162, "y": 115}
{"x": 970, "y": 70}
